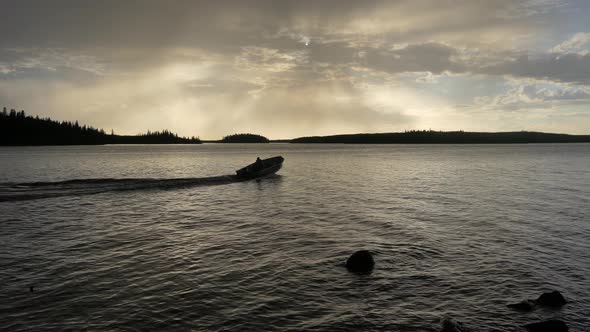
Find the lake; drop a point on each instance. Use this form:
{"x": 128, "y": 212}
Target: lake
{"x": 457, "y": 231}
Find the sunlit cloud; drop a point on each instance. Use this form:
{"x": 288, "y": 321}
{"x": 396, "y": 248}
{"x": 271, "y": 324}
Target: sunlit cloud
{"x": 578, "y": 43}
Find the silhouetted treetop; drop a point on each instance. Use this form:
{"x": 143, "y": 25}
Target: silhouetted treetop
{"x": 17, "y": 128}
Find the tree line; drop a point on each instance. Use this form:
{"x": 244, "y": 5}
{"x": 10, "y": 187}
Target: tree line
{"x": 446, "y": 137}
{"x": 18, "y": 128}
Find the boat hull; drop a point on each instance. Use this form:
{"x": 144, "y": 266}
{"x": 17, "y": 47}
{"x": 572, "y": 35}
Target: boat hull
{"x": 264, "y": 168}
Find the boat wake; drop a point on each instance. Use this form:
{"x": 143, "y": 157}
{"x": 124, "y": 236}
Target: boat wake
{"x": 39, "y": 190}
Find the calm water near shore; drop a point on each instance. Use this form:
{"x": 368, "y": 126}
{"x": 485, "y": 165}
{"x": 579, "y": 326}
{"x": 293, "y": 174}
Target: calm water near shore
{"x": 457, "y": 230}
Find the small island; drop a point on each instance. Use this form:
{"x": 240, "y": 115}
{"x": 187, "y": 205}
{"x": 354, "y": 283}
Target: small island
{"x": 244, "y": 138}
{"x": 20, "y": 129}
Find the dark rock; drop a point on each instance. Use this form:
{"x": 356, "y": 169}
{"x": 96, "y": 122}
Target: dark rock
{"x": 547, "y": 326}
{"x": 526, "y": 305}
{"x": 552, "y": 299}
{"x": 451, "y": 325}
{"x": 360, "y": 261}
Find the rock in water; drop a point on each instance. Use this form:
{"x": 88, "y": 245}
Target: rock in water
{"x": 547, "y": 326}
{"x": 451, "y": 325}
{"x": 526, "y": 305}
{"x": 552, "y": 299}
{"x": 360, "y": 261}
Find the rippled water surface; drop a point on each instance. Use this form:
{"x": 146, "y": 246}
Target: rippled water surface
{"x": 176, "y": 245}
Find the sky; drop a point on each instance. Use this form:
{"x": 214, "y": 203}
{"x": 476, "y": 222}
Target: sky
{"x": 290, "y": 68}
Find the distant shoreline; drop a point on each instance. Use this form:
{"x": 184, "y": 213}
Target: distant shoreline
{"x": 446, "y": 137}
{"x": 369, "y": 139}
{"x": 19, "y": 129}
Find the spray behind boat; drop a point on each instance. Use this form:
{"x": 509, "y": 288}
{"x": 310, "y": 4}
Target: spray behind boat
{"x": 81, "y": 187}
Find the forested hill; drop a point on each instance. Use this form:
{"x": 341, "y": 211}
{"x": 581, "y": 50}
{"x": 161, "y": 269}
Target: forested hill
{"x": 17, "y": 128}
{"x": 446, "y": 137}
{"x": 244, "y": 138}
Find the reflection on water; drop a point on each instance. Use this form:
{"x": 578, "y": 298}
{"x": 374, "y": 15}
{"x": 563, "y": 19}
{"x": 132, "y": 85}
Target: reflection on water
{"x": 457, "y": 231}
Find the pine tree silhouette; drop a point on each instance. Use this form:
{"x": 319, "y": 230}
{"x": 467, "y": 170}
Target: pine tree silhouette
{"x": 17, "y": 128}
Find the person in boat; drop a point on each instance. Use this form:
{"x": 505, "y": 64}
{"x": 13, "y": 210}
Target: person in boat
{"x": 258, "y": 163}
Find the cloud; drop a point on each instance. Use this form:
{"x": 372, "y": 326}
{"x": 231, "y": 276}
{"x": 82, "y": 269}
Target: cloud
{"x": 48, "y": 59}
{"x": 568, "y": 68}
{"x": 267, "y": 59}
{"x": 574, "y": 44}
{"x": 567, "y": 93}
{"x": 531, "y": 95}
{"x": 428, "y": 57}
{"x": 227, "y": 25}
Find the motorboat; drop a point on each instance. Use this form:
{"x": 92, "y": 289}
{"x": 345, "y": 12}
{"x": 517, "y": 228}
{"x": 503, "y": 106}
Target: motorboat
{"x": 260, "y": 168}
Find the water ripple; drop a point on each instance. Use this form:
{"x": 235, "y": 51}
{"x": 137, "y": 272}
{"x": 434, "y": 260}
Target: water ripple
{"x": 456, "y": 231}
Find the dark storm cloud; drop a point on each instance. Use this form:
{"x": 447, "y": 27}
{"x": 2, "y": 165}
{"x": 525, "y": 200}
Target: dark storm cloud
{"x": 154, "y": 23}
{"x": 438, "y": 58}
{"x": 127, "y": 36}
{"x": 569, "y": 68}
{"x": 228, "y": 24}
{"x": 132, "y": 33}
